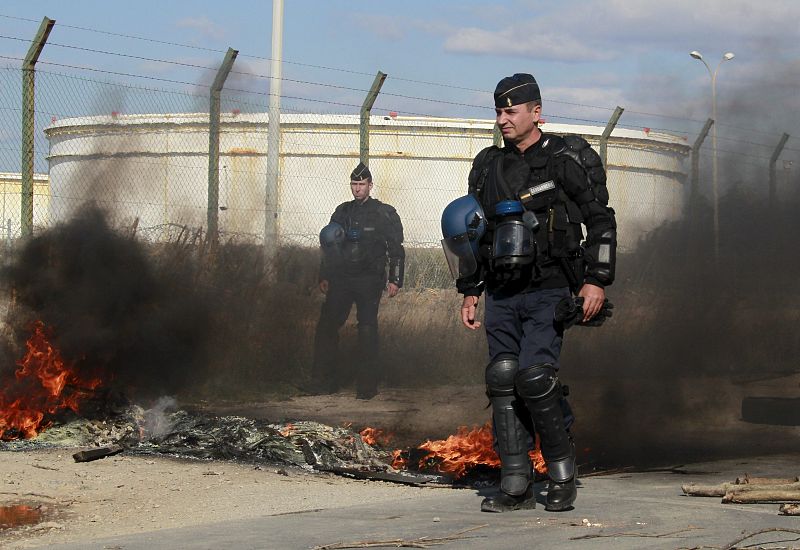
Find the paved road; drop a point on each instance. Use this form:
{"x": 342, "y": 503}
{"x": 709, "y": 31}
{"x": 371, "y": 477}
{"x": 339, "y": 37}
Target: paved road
{"x": 621, "y": 511}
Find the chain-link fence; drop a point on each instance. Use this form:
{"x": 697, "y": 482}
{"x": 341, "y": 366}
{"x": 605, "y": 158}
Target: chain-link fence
{"x": 141, "y": 152}
{"x": 142, "y": 155}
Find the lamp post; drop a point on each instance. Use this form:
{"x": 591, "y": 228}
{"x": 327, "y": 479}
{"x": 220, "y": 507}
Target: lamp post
{"x": 714, "y": 183}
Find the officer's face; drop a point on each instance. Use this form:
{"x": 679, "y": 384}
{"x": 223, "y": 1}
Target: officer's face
{"x": 517, "y": 122}
{"x": 360, "y": 189}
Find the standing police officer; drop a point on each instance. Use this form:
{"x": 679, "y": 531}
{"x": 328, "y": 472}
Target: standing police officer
{"x": 362, "y": 238}
{"x": 521, "y": 243}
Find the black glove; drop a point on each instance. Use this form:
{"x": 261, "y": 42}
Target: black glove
{"x": 569, "y": 312}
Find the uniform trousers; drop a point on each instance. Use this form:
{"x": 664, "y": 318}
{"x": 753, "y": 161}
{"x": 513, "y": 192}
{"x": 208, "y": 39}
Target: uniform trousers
{"x": 365, "y": 292}
{"x": 522, "y": 324}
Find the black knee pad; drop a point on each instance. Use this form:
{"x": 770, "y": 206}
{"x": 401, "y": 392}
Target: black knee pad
{"x": 500, "y": 375}
{"x": 537, "y": 382}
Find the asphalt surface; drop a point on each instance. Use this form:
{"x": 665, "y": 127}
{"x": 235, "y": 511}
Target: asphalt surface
{"x": 635, "y": 510}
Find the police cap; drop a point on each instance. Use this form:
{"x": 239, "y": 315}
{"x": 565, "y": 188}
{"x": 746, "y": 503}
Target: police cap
{"x": 360, "y": 172}
{"x": 516, "y": 89}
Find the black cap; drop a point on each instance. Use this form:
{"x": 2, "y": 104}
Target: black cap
{"x": 360, "y": 172}
{"x": 513, "y": 90}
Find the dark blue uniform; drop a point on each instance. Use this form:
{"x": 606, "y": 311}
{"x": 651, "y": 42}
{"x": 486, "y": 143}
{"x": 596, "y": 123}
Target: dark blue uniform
{"x": 563, "y": 184}
{"x": 357, "y": 274}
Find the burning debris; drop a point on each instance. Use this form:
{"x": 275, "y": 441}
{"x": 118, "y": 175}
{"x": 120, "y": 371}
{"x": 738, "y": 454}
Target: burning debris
{"x": 164, "y": 430}
{"x": 116, "y": 310}
{"x": 470, "y": 448}
{"x": 44, "y": 385}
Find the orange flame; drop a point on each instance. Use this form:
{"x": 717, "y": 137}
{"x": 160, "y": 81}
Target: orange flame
{"x": 468, "y": 448}
{"x": 287, "y": 430}
{"x": 372, "y": 436}
{"x": 399, "y": 462}
{"x": 40, "y": 385}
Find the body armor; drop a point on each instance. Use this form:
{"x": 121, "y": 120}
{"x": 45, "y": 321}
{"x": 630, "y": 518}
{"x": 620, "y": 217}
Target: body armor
{"x": 372, "y": 244}
{"x": 563, "y": 186}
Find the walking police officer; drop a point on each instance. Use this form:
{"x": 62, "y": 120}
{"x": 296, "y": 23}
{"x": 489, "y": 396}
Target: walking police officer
{"x": 518, "y": 236}
{"x": 363, "y": 238}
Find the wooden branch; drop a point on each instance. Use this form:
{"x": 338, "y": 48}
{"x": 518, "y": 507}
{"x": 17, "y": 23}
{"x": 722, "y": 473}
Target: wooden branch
{"x": 99, "y": 452}
{"x": 422, "y": 542}
{"x": 45, "y": 467}
{"x": 764, "y": 495}
{"x": 789, "y": 510}
{"x": 671, "y": 534}
{"x": 724, "y": 488}
{"x": 747, "y": 480}
{"x": 732, "y": 545}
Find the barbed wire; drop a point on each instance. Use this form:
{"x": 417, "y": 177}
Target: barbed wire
{"x": 329, "y": 102}
{"x": 334, "y": 86}
{"x": 336, "y": 69}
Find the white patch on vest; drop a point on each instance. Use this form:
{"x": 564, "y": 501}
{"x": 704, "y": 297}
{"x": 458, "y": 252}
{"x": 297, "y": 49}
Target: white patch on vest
{"x": 545, "y": 142}
{"x": 369, "y": 229}
{"x": 542, "y": 187}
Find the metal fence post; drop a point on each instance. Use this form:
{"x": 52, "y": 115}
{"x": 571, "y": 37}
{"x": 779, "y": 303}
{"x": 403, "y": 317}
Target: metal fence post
{"x": 274, "y": 136}
{"x": 28, "y": 112}
{"x": 612, "y": 122}
{"x": 773, "y": 184}
{"x": 213, "y": 146}
{"x": 366, "y": 107}
{"x": 693, "y": 191}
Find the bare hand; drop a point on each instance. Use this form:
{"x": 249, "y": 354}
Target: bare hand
{"x": 392, "y": 290}
{"x": 593, "y": 297}
{"x": 323, "y": 286}
{"x": 468, "y": 308}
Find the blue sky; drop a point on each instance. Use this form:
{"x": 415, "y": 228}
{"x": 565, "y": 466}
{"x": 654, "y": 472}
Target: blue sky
{"x": 588, "y": 55}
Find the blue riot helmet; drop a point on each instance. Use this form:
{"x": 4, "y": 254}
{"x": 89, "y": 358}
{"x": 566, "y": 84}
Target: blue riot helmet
{"x": 463, "y": 225}
{"x": 331, "y": 235}
{"x": 514, "y": 244}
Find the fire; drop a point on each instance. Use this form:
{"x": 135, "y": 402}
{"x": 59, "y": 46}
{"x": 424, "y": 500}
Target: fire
{"x": 468, "y": 448}
{"x": 399, "y": 462}
{"x": 287, "y": 430}
{"x": 45, "y": 384}
{"x": 372, "y": 436}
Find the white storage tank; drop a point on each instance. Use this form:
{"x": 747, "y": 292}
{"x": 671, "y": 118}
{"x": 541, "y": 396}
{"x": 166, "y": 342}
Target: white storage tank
{"x": 154, "y": 168}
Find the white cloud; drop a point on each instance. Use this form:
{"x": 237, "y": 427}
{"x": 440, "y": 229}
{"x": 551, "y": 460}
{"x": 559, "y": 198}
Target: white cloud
{"x": 521, "y": 41}
{"x": 597, "y": 30}
{"x": 204, "y": 25}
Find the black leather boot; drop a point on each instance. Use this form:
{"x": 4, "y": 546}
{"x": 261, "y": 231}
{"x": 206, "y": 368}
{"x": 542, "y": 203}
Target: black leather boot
{"x": 503, "y": 502}
{"x": 560, "y": 496}
{"x": 561, "y": 490}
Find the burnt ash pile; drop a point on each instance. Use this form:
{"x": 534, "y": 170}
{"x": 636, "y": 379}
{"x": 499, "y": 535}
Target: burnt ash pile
{"x": 193, "y": 435}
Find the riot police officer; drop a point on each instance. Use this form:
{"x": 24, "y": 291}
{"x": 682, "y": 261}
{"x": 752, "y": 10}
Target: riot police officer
{"x": 362, "y": 251}
{"x": 518, "y": 236}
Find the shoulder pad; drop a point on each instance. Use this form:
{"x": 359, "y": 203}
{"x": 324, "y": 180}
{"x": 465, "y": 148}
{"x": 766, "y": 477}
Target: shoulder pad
{"x": 579, "y": 150}
{"x": 484, "y": 154}
{"x": 576, "y": 143}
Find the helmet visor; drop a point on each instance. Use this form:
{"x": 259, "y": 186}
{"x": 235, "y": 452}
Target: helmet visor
{"x": 460, "y": 256}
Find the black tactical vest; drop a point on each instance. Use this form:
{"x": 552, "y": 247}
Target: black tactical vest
{"x": 534, "y": 180}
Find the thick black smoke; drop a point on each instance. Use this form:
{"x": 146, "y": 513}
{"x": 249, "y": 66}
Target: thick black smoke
{"x": 137, "y": 323}
{"x": 694, "y": 331}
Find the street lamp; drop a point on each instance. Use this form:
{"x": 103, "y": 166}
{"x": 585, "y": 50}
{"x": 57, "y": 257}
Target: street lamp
{"x": 714, "y": 185}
